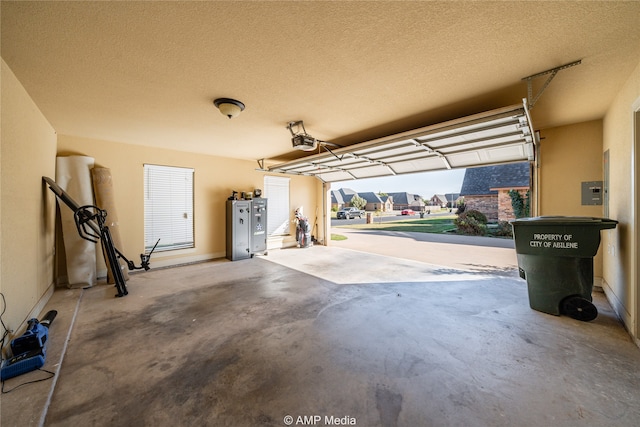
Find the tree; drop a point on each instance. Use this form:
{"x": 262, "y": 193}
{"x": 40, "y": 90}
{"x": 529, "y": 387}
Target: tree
{"x": 358, "y": 202}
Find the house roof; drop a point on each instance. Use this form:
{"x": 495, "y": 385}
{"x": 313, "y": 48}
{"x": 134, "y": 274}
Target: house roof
{"x": 404, "y": 198}
{"x": 481, "y": 181}
{"x": 336, "y": 197}
{"x": 440, "y": 197}
{"x": 347, "y": 194}
{"x": 342, "y": 195}
{"x": 370, "y": 197}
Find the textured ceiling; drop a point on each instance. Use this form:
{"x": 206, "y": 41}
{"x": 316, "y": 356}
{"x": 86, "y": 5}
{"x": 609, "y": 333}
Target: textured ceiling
{"x": 147, "y": 72}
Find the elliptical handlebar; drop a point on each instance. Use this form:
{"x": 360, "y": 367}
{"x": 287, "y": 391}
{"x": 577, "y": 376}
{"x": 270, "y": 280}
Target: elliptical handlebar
{"x": 87, "y": 216}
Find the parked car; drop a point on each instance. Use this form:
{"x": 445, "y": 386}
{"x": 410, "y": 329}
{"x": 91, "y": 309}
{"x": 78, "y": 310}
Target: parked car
{"x": 348, "y": 213}
{"x": 408, "y": 212}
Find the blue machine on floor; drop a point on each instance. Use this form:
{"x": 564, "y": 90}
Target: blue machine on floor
{"x": 30, "y": 349}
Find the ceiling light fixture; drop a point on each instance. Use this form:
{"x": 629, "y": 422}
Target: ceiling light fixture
{"x": 229, "y": 107}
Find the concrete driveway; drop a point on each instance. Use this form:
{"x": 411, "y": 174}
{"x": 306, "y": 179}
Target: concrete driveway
{"x": 471, "y": 253}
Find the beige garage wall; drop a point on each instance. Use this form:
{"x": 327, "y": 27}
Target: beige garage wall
{"x": 621, "y": 260}
{"x": 27, "y": 208}
{"x": 570, "y": 155}
{"x": 214, "y": 180}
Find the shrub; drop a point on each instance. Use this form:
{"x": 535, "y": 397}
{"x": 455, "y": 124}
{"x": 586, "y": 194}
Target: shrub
{"x": 503, "y": 229}
{"x": 477, "y": 215}
{"x": 471, "y": 222}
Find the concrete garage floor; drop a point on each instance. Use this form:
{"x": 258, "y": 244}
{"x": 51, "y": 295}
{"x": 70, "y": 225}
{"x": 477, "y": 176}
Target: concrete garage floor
{"x": 367, "y": 339}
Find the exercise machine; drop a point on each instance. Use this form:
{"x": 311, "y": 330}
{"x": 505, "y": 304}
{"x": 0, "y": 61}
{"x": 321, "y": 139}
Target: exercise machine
{"x": 90, "y": 221}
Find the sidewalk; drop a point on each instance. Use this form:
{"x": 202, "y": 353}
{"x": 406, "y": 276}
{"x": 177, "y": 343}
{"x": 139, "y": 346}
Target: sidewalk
{"x": 469, "y": 253}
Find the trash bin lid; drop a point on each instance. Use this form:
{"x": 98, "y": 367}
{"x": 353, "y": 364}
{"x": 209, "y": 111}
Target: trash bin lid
{"x": 602, "y": 223}
{"x": 565, "y": 236}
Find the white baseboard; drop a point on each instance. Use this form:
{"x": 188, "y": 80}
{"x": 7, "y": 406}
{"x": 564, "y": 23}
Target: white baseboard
{"x": 169, "y": 258}
{"x": 171, "y": 262}
{"x": 34, "y": 313}
{"x": 620, "y": 310}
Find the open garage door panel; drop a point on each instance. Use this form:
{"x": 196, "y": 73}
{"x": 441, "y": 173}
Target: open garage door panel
{"x": 498, "y": 136}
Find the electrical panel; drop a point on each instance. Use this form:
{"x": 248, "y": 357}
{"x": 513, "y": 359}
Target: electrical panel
{"x": 592, "y": 193}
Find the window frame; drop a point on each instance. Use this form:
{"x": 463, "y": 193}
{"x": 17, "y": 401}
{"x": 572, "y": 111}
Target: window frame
{"x": 174, "y": 187}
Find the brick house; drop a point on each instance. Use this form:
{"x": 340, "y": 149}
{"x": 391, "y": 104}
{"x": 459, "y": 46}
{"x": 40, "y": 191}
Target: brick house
{"x": 438, "y": 200}
{"x": 486, "y": 188}
{"x": 505, "y": 209}
{"x": 453, "y": 199}
{"x": 407, "y": 201}
{"x": 342, "y": 198}
{"x": 387, "y": 203}
{"x": 448, "y": 200}
{"x": 374, "y": 202}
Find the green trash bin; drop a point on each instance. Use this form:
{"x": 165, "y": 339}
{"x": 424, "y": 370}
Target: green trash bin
{"x": 555, "y": 257}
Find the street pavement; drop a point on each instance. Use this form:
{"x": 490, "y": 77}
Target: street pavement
{"x": 385, "y": 217}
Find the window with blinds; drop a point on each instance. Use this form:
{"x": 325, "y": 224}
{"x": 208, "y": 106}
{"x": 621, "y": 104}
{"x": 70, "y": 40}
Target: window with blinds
{"x": 276, "y": 189}
{"x": 168, "y": 207}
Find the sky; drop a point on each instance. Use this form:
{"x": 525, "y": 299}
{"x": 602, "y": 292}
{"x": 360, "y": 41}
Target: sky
{"x": 424, "y": 184}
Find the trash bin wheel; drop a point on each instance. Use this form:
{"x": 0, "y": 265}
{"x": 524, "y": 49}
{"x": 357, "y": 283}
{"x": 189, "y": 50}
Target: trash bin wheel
{"x": 579, "y": 308}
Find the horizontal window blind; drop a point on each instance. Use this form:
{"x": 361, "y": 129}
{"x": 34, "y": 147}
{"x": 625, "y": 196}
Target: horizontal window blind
{"x": 276, "y": 189}
{"x": 168, "y": 207}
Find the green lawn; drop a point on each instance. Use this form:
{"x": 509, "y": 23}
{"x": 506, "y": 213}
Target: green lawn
{"x": 436, "y": 225}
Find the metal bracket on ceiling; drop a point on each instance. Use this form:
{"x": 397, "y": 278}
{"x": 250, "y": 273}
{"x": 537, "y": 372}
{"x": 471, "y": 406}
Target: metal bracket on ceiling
{"x": 531, "y": 100}
{"x": 261, "y": 165}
